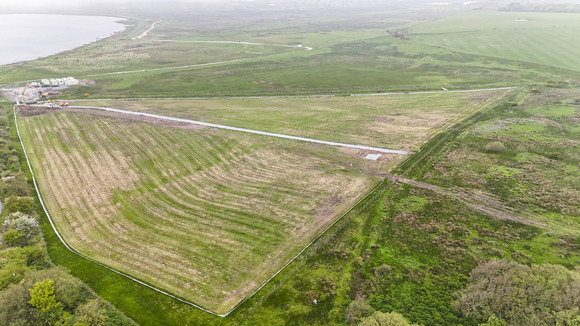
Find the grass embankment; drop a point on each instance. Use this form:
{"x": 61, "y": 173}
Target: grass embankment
{"x": 205, "y": 214}
{"x": 393, "y": 121}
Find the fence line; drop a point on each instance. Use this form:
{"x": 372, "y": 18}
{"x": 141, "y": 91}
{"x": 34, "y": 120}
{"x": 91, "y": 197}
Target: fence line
{"x": 319, "y": 241}
{"x": 53, "y": 225}
{"x": 314, "y": 247}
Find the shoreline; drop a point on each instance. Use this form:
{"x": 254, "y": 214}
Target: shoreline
{"x": 122, "y": 21}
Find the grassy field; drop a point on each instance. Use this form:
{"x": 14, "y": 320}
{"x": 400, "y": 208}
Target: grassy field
{"x": 542, "y": 38}
{"x": 365, "y": 66}
{"x": 205, "y": 214}
{"x": 348, "y": 56}
{"x": 393, "y": 121}
{"x": 125, "y": 54}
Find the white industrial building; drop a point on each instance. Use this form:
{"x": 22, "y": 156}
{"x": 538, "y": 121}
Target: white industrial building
{"x": 68, "y": 81}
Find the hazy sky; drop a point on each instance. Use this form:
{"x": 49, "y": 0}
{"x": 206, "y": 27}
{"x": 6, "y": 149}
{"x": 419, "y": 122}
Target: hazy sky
{"x": 40, "y": 6}
{"x": 148, "y": 7}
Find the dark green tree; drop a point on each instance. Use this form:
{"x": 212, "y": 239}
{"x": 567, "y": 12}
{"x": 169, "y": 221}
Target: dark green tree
{"x": 522, "y": 295}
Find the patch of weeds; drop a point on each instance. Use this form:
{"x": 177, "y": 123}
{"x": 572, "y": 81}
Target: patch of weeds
{"x": 412, "y": 203}
{"x": 553, "y": 111}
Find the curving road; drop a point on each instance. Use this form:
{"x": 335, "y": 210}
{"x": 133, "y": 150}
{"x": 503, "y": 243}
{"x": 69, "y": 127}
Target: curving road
{"x": 208, "y": 63}
{"x": 147, "y": 31}
{"x": 307, "y": 48}
{"x": 251, "y": 131}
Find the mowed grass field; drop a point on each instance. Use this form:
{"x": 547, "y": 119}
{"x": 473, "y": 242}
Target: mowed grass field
{"x": 205, "y": 214}
{"x": 403, "y": 121}
{"x": 551, "y": 39}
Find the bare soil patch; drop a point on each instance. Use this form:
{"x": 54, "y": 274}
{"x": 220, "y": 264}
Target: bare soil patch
{"x": 33, "y": 110}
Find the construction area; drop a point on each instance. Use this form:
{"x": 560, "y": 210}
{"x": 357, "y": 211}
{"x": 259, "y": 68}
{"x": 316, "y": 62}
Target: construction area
{"x": 42, "y": 92}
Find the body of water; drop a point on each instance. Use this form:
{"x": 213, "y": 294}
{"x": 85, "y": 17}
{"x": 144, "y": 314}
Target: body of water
{"x": 29, "y": 37}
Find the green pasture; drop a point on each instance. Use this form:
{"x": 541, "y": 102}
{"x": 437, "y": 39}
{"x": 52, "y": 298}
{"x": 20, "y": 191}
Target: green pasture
{"x": 477, "y": 20}
{"x": 375, "y": 65}
{"x": 556, "y": 47}
{"x": 126, "y": 55}
{"x": 355, "y": 58}
{"x": 390, "y": 121}
{"x": 549, "y": 39}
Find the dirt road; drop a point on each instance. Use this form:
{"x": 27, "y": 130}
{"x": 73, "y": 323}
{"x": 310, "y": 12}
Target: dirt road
{"x": 205, "y": 64}
{"x": 147, "y": 31}
{"x": 484, "y": 203}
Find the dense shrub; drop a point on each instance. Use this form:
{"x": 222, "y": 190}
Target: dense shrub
{"x": 23, "y": 223}
{"x": 13, "y": 238}
{"x": 521, "y": 295}
{"x": 54, "y": 297}
{"x": 17, "y": 185}
{"x": 385, "y": 319}
{"x": 357, "y": 310}
{"x": 14, "y": 204}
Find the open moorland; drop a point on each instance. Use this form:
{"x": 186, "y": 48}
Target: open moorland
{"x": 527, "y": 157}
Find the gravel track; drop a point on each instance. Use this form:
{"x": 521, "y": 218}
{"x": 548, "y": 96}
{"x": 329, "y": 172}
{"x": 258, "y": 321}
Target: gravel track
{"x": 251, "y": 131}
{"x": 287, "y": 96}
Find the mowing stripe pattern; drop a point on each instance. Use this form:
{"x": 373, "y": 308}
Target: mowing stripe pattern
{"x": 198, "y": 212}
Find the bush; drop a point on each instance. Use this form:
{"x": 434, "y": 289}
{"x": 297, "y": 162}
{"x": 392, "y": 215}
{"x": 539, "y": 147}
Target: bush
{"x": 357, "y": 310}
{"x": 22, "y": 223}
{"x": 14, "y": 238}
{"x": 14, "y": 204}
{"x": 91, "y": 313}
{"x": 17, "y": 185}
{"x": 385, "y": 319}
{"x": 69, "y": 290}
{"x": 521, "y": 295}
{"x": 555, "y": 156}
{"x": 15, "y": 308}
